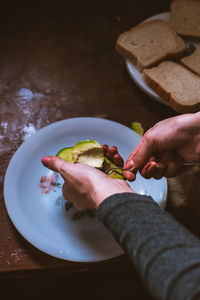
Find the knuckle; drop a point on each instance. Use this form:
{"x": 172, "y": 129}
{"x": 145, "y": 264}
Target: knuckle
{"x": 149, "y": 136}
{"x": 62, "y": 169}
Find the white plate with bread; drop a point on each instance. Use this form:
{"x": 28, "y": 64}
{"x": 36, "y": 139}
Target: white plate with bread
{"x": 163, "y": 58}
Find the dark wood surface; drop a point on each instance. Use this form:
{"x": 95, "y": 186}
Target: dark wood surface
{"x": 64, "y": 53}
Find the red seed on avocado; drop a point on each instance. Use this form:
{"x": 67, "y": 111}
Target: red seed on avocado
{"x": 113, "y": 149}
{"x": 109, "y": 155}
{"x": 118, "y": 160}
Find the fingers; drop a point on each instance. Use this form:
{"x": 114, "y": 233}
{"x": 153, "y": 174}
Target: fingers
{"x": 150, "y": 169}
{"x": 57, "y": 164}
{"x": 156, "y": 166}
{"x": 166, "y": 163}
{"x": 166, "y": 166}
{"x": 53, "y": 163}
{"x": 71, "y": 194}
{"x": 129, "y": 175}
{"x": 141, "y": 154}
{"x": 140, "y": 157}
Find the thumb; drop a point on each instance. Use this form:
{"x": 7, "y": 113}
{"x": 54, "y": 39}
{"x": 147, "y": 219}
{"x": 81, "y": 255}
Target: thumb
{"x": 56, "y": 164}
{"x": 140, "y": 155}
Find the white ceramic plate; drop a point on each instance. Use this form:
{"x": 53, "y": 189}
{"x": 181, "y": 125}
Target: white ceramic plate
{"x": 41, "y": 218}
{"x": 137, "y": 76}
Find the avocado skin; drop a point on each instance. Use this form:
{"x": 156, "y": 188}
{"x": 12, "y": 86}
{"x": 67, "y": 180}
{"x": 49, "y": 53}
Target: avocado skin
{"x": 84, "y": 144}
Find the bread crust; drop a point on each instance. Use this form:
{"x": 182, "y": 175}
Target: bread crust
{"x": 128, "y": 55}
{"x": 156, "y": 87}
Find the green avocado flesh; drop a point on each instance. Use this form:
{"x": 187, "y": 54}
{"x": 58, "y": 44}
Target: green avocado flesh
{"x": 89, "y": 152}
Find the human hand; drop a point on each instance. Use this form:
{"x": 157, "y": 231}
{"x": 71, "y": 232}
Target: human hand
{"x": 165, "y": 147}
{"x": 85, "y": 186}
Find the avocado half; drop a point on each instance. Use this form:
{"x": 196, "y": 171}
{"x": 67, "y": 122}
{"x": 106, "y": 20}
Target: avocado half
{"x": 90, "y": 153}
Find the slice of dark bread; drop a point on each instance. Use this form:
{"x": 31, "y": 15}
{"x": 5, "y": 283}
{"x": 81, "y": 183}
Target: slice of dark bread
{"x": 192, "y": 61}
{"x": 148, "y": 43}
{"x": 175, "y": 84}
{"x": 185, "y": 17}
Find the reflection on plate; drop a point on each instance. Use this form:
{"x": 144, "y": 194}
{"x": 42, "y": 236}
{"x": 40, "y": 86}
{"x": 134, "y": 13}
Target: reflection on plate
{"x": 137, "y": 76}
{"x": 39, "y": 213}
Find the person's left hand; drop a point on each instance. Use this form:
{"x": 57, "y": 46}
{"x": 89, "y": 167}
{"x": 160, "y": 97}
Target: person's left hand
{"x": 85, "y": 186}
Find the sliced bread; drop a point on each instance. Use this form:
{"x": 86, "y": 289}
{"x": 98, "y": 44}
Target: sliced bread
{"x": 176, "y": 84}
{"x": 185, "y": 17}
{"x": 149, "y": 43}
{"x": 192, "y": 62}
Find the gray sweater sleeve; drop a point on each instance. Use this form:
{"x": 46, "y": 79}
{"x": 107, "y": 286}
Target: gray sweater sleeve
{"x": 165, "y": 253}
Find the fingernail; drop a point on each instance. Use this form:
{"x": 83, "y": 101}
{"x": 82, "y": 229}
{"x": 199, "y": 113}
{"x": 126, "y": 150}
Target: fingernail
{"x": 129, "y": 165}
{"x": 129, "y": 175}
{"x": 152, "y": 158}
{"x": 153, "y": 166}
{"x": 150, "y": 169}
{"x": 46, "y": 160}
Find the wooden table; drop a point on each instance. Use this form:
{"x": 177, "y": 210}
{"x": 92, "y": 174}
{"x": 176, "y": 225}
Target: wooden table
{"x": 63, "y": 56}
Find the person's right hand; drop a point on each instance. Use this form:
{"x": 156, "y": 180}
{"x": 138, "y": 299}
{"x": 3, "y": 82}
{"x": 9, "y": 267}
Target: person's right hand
{"x": 166, "y": 146}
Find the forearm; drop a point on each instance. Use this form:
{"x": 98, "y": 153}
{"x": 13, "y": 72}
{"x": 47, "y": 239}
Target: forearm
{"x": 165, "y": 253}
